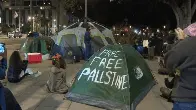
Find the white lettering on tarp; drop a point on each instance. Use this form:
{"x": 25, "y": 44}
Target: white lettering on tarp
{"x": 109, "y": 53}
{"x": 124, "y": 82}
{"x": 101, "y": 77}
{"x": 92, "y": 75}
{"x": 103, "y": 62}
{"x": 108, "y": 76}
{"x": 110, "y": 63}
{"x": 113, "y": 78}
{"x": 86, "y": 72}
{"x": 95, "y": 60}
{"x": 118, "y": 64}
{"x": 97, "y": 76}
{"x": 106, "y": 67}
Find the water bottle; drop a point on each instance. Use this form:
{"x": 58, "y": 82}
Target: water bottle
{"x": 74, "y": 59}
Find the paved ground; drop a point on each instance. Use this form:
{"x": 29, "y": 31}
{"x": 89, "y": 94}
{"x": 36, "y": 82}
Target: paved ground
{"x": 31, "y": 95}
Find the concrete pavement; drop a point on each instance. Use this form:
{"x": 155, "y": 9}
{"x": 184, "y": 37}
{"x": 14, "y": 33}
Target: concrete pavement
{"x": 31, "y": 95}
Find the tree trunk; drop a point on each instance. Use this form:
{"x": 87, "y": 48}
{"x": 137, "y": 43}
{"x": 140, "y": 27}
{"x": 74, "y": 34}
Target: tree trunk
{"x": 183, "y": 14}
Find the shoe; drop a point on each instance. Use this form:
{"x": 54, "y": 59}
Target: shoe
{"x": 163, "y": 71}
{"x": 166, "y": 93}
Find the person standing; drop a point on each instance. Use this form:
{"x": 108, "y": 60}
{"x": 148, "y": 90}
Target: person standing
{"x": 182, "y": 58}
{"x": 87, "y": 41}
{"x": 151, "y": 47}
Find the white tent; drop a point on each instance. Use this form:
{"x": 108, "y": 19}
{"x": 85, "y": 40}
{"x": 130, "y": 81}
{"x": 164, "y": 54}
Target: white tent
{"x": 101, "y": 35}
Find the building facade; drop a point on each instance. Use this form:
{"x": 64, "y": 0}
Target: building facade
{"x": 17, "y": 12}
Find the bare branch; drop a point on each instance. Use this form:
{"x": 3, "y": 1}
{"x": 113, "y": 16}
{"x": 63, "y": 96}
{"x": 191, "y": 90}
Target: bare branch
{"x": 173, "y": 5}
{"x": 193, "y": 8}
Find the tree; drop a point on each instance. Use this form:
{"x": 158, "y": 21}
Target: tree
{"x": 183, "y": 10}
{"x": 71, "y": 5}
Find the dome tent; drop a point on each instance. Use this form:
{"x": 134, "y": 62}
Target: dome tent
{"x": 37, "y": 45}
{"x": 71, "y": 39}
{"x": 115, "y": 78}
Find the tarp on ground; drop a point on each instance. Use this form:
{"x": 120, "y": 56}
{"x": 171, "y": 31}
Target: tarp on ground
{"x": 115, "y": 78}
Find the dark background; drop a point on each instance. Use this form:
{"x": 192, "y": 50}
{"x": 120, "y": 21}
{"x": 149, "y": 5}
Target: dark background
{"x": 138, "y": 12}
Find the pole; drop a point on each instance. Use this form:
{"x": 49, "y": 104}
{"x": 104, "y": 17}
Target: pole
{"x": 19, "y": 23}
{"x": 86, "y": 11}
{"x": 58, "y": 15}
{"x": 31, "y": 15}
{"x": 33, "y": 23}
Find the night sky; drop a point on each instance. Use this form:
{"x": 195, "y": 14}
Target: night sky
{"x": 138, "y": 12}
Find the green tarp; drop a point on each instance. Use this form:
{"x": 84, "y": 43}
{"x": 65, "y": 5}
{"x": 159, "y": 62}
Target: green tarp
{"x": 117, "y": 77}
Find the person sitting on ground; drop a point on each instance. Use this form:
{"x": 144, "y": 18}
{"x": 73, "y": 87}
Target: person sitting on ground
{"x": 182, "y": 57}
{"x": 180, "y": 36}
{"x": 57, "y": 76}
{"x": 17, "y": 68}
{"x": 7, "y": 99}
{"x": 3, "y": 65}
{"x": 166, "y": 91}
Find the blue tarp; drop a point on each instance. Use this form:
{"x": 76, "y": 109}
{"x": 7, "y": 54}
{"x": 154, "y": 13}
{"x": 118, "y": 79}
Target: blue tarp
{"x": 33, "y": 34}
{"x": 57, "y": 49}
{"x": 76, "y": 51}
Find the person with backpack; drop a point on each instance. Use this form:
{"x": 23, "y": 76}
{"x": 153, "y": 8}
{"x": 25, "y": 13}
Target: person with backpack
{"x": 17, "y": 68}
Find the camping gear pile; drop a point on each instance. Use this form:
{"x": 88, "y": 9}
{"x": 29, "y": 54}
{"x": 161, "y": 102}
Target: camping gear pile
{"x": 116, "y": 77}
{"x": 70, "y": 41}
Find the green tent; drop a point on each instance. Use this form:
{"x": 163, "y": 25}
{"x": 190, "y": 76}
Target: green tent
{"x": 117, "y": 77}
{"x": 37, "y": 45}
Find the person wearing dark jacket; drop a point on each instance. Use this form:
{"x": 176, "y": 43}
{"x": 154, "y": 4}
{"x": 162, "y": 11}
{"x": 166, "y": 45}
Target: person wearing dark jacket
{"x": 87, "y": 41}
{"x": 16, "y": 69}
{"x": 3, "y": 65}
{"x": 182, "y": 58}
{"x": 7, "y": 100}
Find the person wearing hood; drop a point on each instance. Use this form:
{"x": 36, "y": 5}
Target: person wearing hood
{"x": 181, "y": 60}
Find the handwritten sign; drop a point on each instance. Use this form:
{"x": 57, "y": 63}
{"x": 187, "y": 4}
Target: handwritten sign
{"x": 106, "y": 68}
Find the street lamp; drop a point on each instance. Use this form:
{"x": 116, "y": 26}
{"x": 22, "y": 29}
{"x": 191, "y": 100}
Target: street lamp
{"x": 130, "y": 27}
{"x": 164, "y": 27}
{"x": 29, "y": 18}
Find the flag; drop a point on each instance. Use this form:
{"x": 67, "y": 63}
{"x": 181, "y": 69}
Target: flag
{"x": 15, "y": 14}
